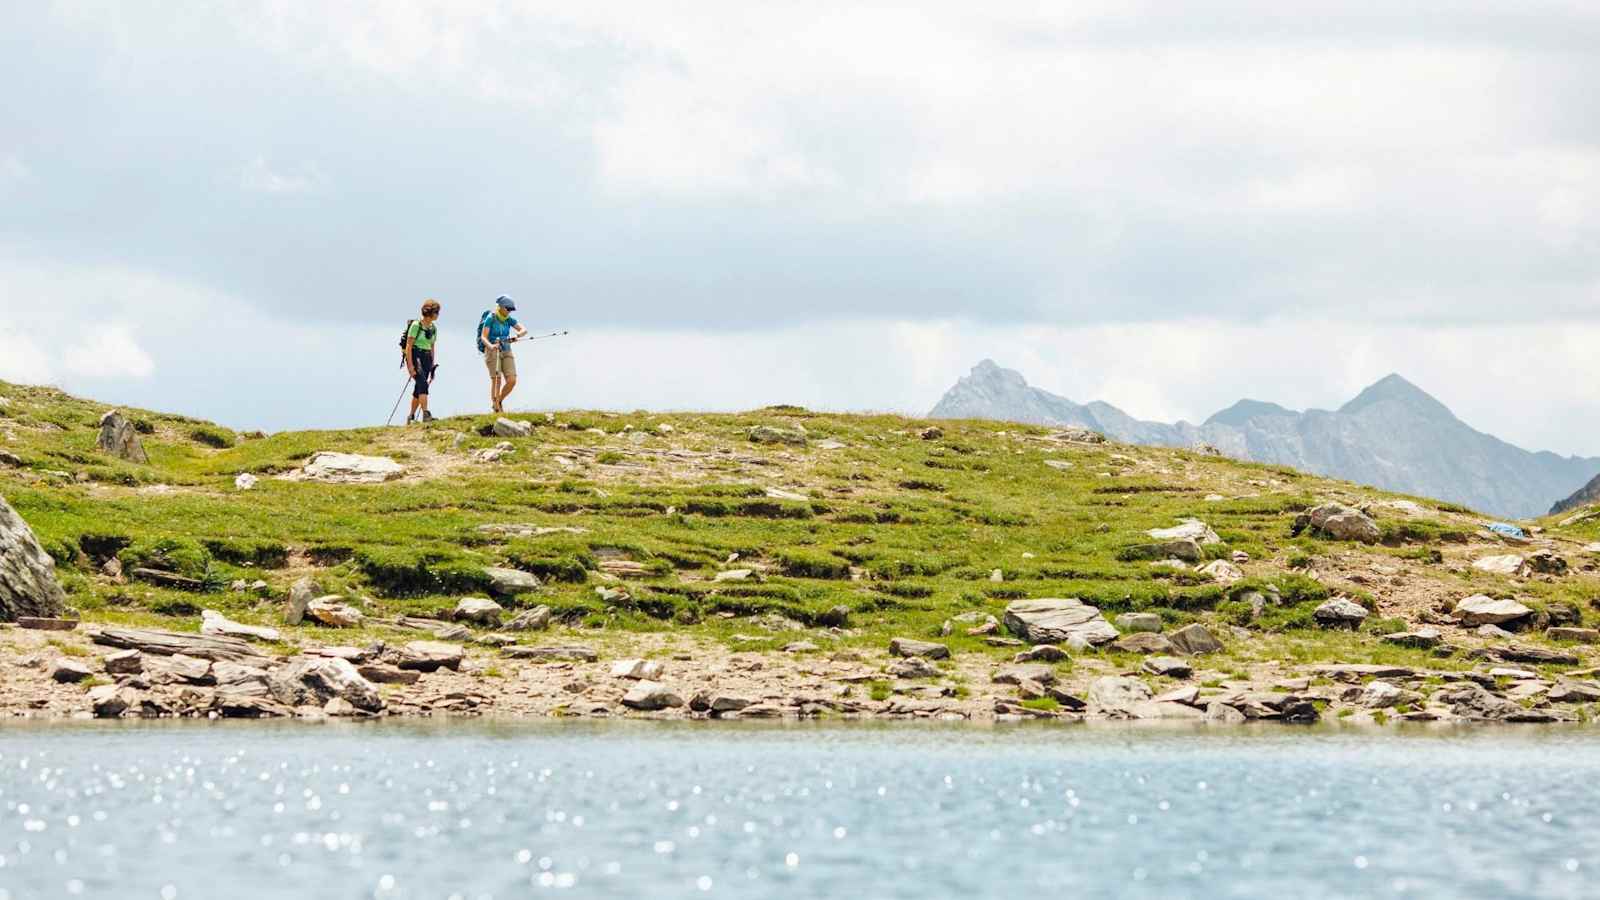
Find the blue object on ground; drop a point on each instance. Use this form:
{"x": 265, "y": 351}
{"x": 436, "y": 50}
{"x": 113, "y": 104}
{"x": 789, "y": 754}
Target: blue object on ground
{"x": 1506, "y": 529}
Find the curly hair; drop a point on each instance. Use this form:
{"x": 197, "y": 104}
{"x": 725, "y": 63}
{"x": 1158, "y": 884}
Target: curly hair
{"x": 430, "y": 308}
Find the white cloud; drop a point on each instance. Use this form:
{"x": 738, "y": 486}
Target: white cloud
{"x": 260, "y": 178}
{"x": 110, "y": 351}
{"x": 24, "y": 360}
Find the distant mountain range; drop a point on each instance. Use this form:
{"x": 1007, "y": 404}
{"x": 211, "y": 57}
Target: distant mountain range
{"x": 1393, "y": 435}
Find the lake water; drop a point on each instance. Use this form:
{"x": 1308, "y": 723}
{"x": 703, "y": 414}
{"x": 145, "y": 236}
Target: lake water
{"x": 498, "y": 810}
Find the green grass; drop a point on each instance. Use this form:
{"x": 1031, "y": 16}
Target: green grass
{"x": 903, "y": 533}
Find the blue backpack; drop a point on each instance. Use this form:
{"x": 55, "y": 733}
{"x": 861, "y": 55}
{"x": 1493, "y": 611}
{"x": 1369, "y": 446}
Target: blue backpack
{"x": 483, "y": 322}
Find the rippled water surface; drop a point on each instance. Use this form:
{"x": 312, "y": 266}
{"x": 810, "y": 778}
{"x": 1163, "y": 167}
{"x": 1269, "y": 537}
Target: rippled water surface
{"x": 470, "y": 810}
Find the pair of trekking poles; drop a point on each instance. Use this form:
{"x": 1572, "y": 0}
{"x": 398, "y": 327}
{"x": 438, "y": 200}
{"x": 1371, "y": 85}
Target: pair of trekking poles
{"x": 400, "y": 399}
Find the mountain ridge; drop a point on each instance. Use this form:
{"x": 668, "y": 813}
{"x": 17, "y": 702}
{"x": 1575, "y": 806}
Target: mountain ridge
{"x": 1393, "y": 435}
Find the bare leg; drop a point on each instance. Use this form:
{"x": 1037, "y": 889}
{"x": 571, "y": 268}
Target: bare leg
{"x": 413, "y": 413}
{"x": 511, "y": 382}
{"x": 494, "y": 392}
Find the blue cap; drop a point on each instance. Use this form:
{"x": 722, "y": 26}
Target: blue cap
{"x": 505, "y": 302}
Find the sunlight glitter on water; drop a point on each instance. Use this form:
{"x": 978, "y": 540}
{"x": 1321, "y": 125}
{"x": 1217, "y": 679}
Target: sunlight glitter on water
{"x": 483, "y": 809}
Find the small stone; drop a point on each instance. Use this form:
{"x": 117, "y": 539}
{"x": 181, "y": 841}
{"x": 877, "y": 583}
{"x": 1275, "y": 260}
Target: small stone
{"x": 1223, "y": 714}
{"x": 1189, "y": 530}
{"x": 1195, "y": 639}
{"x": 1144, "y": 642}
{"x": 1137, "y": 622}
{"x": 1046, "y": 653}
{"x": 378, "y": 674}
{"x": 733, "y": 575}
{"x": 1169, "y": 666}
{"x": 330, "y": 612}
{"x": 1016, "y": 674}
{"x": 1222, "y": 572}
{"x": 244, "y": 481}
{"x": 912, "y": 647}
{"x": 650, "y": 695}
{"x": 1480, "y": 609}
{"x": 339, "y": 706}
{"x": 931, "y": 433}
{"x": 636, "y": 669}
{"x": 510, "y": 582}
{"x": 110, "y": 701}
{"x": 430, "y": 656}
{"x": 478, "y": 610}
{"x": 1421, "y": 638}
{"x": 536, "y": 619}
{"x": 68, "y": 671}
{"x": 512, "y": 428}
{"x": 801, "y": 647}
{"x": 913, "y": 668}
{"x": 124, "y": 662}
{"x": 1340, "y": 612}
{"x": 553, "y": 653}
{"x": 1577, "y": 635}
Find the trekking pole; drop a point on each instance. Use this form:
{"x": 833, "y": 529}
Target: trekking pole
{"x": 535, "y": 337}
{"x": 397, "y": 400}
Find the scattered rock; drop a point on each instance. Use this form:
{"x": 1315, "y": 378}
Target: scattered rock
{"x": 330, "y": 612}
{"x": 636, "y": 669}
{"x": 772, "y": 434}
{"x": 169, "y": 643}
{"x": 512, "y": 428}
{"x": 510, "y": 582}
{"x": 1135, "y": 622}
{"x": 1341, "y": 523}
{"x": 179, "y": 669}
{"x": 913, "y": 668}
{"x": 1494, "y": 632}
{"x": 430, "y": 656}
{"x": 1055, "y": 621}
{"x": 479, "y": 610}
{"x": 1480, "y": 609}
{"x": 913, "y": 647}
{"x": 1190, "y": 530}
{"x": 1573, "y": 692}
{"x": 1117, "y": 692}
{"x": 1340, "y": 612}
{"x": 110, "y": 701}
{"x": 124, "y": 662}
{"x": 1169, "y": 666}
{"x": 380, "y": 674}
{"x": 1222, "y": 572}
{"x": 1356, "y": 671}
{"x": 536, "y": 619}
{"x": 574, "y": 652}
{"x": 1144, "y": 642}
{"x": 35, "y": 623}
{"x": 1577, "y": 635}
{"x": 28, "y": 585}
{"x": 931, "y": 433}
{"x": 1223, "y": 714}
{"x": 801, "y": 647}
{"x": 68, "y": 671}
{"x": 351, "y": 468}
{"x": 1184, "y": 550}
{"x": 733, "y": 575}
{"x": 1189, "y": 695}
{"x": 650, "y": 695}
{"x": 1546, "y": 562}
{"x": 237, "y": 678}
{"x": 1421, "y": 638}
{"x": 118, "y": 438}
{"x": 314, "y": 680}
{"x": 301, "y": 593}
{"x": 1046, "y": 653}
{"x": 244, "y": 481}
{"x": 215, "y": 623}
{"x": 1195, "y": 639}
{"x": 1509, "y": 564}
{"x": 1017, "y": 674}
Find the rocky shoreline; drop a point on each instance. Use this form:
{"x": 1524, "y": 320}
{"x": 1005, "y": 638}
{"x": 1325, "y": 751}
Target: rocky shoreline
{"x": 108, "y": 671}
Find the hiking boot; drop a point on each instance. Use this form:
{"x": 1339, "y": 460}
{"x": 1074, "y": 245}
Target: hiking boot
{"x": 427, "y": 416}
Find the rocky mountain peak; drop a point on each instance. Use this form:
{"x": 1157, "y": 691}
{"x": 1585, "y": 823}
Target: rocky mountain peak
{"x": 1394, "y": 391}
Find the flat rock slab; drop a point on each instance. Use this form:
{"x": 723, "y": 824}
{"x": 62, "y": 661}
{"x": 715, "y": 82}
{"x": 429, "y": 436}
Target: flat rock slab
{"x": 1190, "y": 530}
{"x": 913, "y": 647}
{"x": 1362, "y": 670}
{"x": 1017, "y": 674}
{"x": 37, "y": 623}
{"x": 1169, "y": 666}
{"x": 568, "y": 652}
{"x": 169, "y": 643}
{"x": 1480, "y": 609}
{"x": 216, "y": 624}
{"x": 351, "y": 468}
{"x": 430, "y": 656}
{"x": 389, "y": 674}
{"x": 1144, "y": 642}
{"x": 1578, "y": 635}
{"x": 1055, "y": 621}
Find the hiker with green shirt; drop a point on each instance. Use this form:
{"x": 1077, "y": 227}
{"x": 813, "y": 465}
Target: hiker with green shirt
{"x": 419, "y": 358}
{"x": 497, "y": 329}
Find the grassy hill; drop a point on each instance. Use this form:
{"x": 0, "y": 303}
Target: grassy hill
{"x": 904, "y": 533}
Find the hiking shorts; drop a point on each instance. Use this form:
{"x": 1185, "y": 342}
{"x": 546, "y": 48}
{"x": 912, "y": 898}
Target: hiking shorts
{"x": 500, "y": 363}
{"x": 423, "y": 360}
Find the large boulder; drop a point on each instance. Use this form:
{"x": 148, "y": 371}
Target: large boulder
{"x": 512, "y": 428}
{"x": 118, "y": 438}
{"x": 1481, "y": 609}
{"x": 301, "y": 594}
{"x": 536, "y": 619}
{"x": 351, "y": 468}
{"x": 1056, "y": 621}
{"x": 480, "y": 610}
{"x": 1341, "y": 523}
{"x": 28, "y": 585}
{"x": 314, "y": 680}
{"x": 1340, "y": 612}
{"x": 650, "y": 695}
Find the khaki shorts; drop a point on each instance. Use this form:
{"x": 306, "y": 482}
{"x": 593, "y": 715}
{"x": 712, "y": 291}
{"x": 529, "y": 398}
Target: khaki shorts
{"x": 500, "y": 363}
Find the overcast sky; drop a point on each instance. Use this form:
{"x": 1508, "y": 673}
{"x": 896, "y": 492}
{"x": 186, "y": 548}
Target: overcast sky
{"x": 230, "y": 209}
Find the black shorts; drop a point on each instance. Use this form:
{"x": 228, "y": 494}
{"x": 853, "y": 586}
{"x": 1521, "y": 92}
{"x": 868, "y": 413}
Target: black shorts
{"x": 423, "y": 359}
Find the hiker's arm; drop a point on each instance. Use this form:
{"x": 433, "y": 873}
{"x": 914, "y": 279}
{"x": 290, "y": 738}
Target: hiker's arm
{"x": 411, "y": 362}
{"x": 485, "y": 338}
{"x": 521, "y": 332}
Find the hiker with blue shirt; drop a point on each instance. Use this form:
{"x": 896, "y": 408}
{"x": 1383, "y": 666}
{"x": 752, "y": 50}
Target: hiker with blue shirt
{"x": 496, "y": 331}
